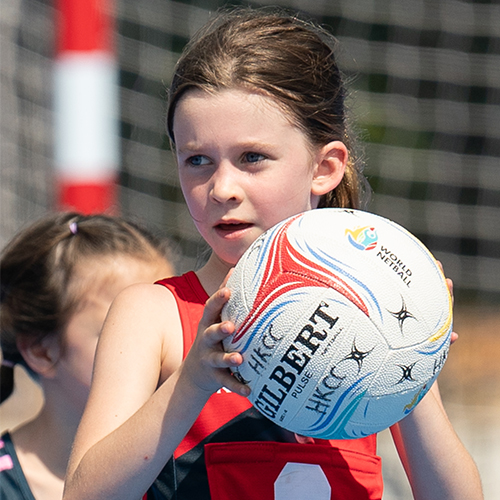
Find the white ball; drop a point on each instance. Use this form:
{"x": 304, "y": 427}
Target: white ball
{"x": 343, "y": 319}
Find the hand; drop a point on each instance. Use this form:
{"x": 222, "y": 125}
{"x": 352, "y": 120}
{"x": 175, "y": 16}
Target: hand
{"x": 449, "y": 283}
{"x": 303, "y": 439}
{"x": 207, "y": 363}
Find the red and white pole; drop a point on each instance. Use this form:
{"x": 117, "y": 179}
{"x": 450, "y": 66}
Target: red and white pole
{"x": 86, "y": 107}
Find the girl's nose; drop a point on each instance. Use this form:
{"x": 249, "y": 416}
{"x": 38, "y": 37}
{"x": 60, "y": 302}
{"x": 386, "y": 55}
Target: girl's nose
{"x": 225, "y": 185}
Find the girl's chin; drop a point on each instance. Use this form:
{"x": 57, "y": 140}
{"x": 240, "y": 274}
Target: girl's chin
{"x": 225, "y": 261}
{"x": 230, "y": 257}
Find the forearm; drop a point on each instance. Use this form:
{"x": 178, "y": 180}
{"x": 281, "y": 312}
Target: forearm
{"x": 437, "y": 464}
{"x": 126, "y": 462}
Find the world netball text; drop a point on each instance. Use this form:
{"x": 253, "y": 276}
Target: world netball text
{"x": 396, "y": 264}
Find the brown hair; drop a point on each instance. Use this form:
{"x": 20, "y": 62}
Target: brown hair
{"x": 286, "y": 58}
{"x": 38, "y": 264}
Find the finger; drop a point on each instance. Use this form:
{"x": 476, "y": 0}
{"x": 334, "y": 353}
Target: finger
{"x": 219, "y": 331}
{"x": 454, "y": 337}
{"x": 230, "y": 382}
{"x": 213, "y": 307}
{"x": 449, "y": 284}
{"x": 303, "y": 439}
{"x": 226, "y": 359}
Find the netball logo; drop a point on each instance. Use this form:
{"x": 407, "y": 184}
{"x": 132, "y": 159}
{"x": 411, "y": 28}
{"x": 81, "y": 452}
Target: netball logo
{"x": 362, "y": 238}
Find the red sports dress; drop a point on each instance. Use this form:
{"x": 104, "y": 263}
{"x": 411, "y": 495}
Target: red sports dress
{"x": 233, "y": 452}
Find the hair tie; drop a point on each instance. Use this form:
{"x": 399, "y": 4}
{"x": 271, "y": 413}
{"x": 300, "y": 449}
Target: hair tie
{"x": 73, "y": 227}
{"x": 8, "y": 364}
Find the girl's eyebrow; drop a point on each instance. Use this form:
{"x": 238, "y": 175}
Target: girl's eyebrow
{"x": 256, "y": 145}
{"x": 192, "y": 147}
{"x": 188, "y": 149}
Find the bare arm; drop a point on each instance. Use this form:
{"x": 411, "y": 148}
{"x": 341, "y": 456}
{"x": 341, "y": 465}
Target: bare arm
{"x": 130, "y": 427}
{"x": 436, "y": 462}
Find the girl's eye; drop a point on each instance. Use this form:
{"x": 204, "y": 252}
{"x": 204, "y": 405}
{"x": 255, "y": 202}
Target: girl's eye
{"x": 198, "y": 160}
{"x": 253, "y": 157}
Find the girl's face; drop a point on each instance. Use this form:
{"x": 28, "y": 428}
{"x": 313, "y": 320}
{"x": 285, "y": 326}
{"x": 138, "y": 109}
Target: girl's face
{"x": 96, "y": 282}
{"x": 243, "y": 167}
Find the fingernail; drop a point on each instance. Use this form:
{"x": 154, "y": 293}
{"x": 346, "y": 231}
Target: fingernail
{"x": 245, "y": 391}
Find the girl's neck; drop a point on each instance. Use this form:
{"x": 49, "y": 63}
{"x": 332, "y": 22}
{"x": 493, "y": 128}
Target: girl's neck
{"x": 213, "y": 273}
{"x": 43, "y": 446}
{"x": 49, "y": 439}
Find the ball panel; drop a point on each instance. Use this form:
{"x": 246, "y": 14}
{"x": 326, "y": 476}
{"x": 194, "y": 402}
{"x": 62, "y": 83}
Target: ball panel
{"x": 415, "y": 275}
{"x": 286, "y": 364}
{"x": 378, "y": 413}
{"x": 393, "y": 269}
{"x": 354, "y": 359}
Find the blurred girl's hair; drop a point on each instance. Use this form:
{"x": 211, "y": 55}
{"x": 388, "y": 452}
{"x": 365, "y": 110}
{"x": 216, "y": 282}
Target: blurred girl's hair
{"x": 38, "y": 264}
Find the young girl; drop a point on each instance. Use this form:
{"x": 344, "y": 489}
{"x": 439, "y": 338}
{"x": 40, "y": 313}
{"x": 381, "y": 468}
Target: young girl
{"x": 58, "y": 278}
{"x": 257, "y": 119}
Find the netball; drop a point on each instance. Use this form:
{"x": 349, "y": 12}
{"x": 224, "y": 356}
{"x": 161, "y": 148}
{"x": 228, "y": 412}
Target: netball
{"x": 343, "y": 319}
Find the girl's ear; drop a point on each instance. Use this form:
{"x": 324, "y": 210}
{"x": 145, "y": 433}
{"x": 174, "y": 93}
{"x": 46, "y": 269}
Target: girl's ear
{"x": 41, "y": 356}
{"x": 330, "y": 164}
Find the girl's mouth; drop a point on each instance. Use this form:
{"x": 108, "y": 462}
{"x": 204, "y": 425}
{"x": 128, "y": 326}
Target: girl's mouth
{"x": 228, "y": 228}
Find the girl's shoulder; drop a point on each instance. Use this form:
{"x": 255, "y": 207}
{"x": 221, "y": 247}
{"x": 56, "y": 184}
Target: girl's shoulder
{"x": 144, "y": 301}
{"x": 160, "y": 306}
{"x": 143, "y": 324}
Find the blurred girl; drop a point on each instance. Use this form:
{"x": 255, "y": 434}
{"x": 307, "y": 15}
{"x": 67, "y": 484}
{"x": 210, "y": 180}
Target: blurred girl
{"x": 58, "y": 278}
{"x": 258, "y": 121}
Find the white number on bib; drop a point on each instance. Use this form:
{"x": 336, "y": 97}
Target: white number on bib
{"x": 302, "y": 482}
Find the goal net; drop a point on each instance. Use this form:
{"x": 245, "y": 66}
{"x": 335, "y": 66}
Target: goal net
{"x": 425, "y": 77}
